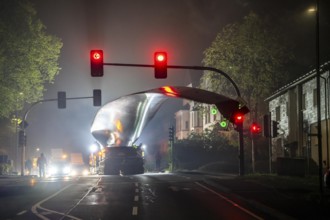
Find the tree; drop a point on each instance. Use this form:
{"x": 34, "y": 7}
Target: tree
{"x": 28, "y": 56}
{"x": 252, "y": 54}
{"x": 203, "y": 149}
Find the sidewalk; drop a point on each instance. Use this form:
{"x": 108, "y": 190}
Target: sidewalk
{"x": 282, "y": 203}
{"x": 13, "y": 180}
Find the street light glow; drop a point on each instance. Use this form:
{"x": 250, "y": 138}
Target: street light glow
{"x": 93, "y": 148}
{"x": 311, "y": 10}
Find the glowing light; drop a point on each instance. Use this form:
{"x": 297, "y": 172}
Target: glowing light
{"x": 160, "y": 57}
{"x": 119, "y": 126}
{"x": 96, "y": 56}
{"x": 238, "y": 118}
{"x": 223, "y": 124}
{"x": 214, "y": 111}
{"x": 93, "y": 148}
{"x": 169, "y": 91}
{"x": 310, "y": 10}
{"x": 255, "y": 128}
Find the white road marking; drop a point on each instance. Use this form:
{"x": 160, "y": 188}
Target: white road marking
{"x": 229, "y": 201}
{"x": 136, "y": 184}
{"x": 99, "y": 190}
{"x": 136, "y": 190}
{"x": 38, "y": 205}
{"x": 135, "y": 210}
{"x": 136, "y": 198}
{"x": 21, "y": 213}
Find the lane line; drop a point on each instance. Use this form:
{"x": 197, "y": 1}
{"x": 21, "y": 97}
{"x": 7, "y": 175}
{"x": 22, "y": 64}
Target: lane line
{"x": 137, "y": 190}
{"x": 230, "y": 201}
{"x": 70, "y": 210}
{"x": 22, "y": 212}
{"x": 136, "y": 198}
{"x": 37, "y": 206}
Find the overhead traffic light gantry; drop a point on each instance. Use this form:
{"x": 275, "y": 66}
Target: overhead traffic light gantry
{"x": 96, "y": 57}
{"x": 160, "y": 62}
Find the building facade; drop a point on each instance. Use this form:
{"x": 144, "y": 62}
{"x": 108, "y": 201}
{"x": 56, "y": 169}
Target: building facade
{"x": 294, "y": 107}
{"x": 192, "y": 120}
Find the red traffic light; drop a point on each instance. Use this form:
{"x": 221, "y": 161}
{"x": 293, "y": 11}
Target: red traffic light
{"x": 238, "y": 118}
{"x": 160, "y": 63}
{"x": 96, "y": 57}
{"x": 255, "y": 128}
{"x": 160, "y": 57}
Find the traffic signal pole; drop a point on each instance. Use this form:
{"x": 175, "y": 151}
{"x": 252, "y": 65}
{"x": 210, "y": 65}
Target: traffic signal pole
{"x": 241, "y": 149}
{"x": 182, "y": 67}
{"x": 24, "y": 125}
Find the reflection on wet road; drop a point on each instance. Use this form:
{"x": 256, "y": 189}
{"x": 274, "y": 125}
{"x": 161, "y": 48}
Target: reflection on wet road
{"x": 148, "y": 196}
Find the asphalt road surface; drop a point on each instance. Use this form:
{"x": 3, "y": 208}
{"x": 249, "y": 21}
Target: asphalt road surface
{"x": 147, "y": 196}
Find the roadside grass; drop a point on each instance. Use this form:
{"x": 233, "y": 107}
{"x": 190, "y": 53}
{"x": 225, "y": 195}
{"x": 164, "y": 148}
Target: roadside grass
{"x": 307, "y": 188}
{"x": 284, "y": 182}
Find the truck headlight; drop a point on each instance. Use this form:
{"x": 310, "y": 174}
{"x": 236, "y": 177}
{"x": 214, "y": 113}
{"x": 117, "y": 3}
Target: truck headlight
{"x": 66, "y": 170}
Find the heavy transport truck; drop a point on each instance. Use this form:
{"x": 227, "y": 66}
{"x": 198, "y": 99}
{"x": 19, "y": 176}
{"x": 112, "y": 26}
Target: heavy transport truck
{"x": 117, "y": 126}
{"x": 125, "y": 160}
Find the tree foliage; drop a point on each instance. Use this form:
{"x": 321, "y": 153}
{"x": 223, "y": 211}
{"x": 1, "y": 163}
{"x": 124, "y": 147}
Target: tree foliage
{"x": 201, "y": 149}
{"x": 28, "y": 56}
{"x": 253, "y": 55}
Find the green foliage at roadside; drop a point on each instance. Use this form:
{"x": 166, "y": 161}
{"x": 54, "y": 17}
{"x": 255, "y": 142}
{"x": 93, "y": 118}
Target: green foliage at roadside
{"x": 284, "y": 182}
{"x": 205, "y": 148}
{"x": 28, "y": 56}
{"x": 252, "y": 53}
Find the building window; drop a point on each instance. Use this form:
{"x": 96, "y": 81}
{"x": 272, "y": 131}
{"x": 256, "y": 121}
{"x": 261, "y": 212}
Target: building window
{"x": 187, "y": 125}
{"x": 314, "y": 97}
{"x": 198, "y": 119}
{"x": 278, "y": 113}
{"x": 303, "y": 101}
{"x": 207, "y": 115}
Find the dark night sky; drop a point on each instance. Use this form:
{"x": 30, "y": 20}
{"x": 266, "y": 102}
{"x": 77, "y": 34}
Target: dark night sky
{"x": 129, "y": 31}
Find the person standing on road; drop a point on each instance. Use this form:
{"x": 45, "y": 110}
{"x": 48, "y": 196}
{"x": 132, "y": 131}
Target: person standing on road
{"x": 42, "y": 162}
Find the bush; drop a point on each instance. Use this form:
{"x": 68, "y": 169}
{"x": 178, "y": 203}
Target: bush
{"x": 4, "y": 168}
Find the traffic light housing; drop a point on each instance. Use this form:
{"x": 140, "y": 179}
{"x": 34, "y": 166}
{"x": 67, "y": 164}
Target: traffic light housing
{"x": 238, "y": 119}
{"x": 232, "y": 110}
{"x": 21, "y": 138}
{"x": 171, "y": 134}
{"x": 266, "y": 128}
{"x": 97, "y": 98}
{"x": 275, "y": 129}
{"x": 160, "y": 63}
{"x": 61, "y": 100}
{"x": 96, "y": 57}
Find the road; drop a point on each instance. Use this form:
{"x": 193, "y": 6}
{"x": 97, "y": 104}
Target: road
{"x": 147, "y": 196}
